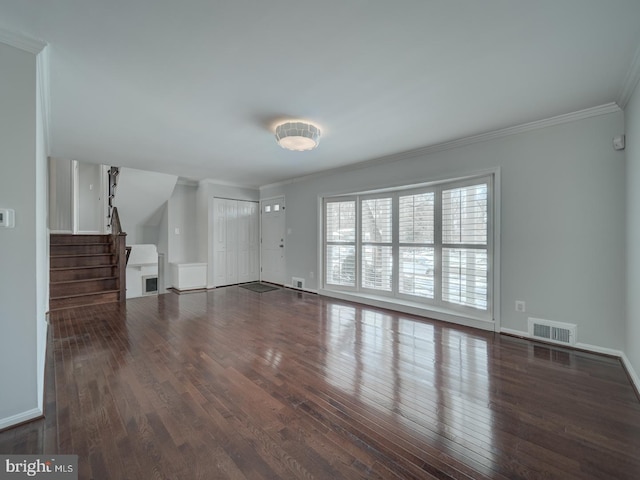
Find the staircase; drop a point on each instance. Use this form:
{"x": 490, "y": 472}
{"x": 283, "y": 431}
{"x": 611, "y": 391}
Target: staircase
{"x": 89, "y": 269}
{"x": 84, "y": 271}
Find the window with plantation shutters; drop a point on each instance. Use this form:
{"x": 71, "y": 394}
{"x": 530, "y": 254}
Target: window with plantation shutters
{"x": 430, "y": 245}
{"x": 376, "y": 264}
{"x": 416, "y": 262}
{"x": 464, "y": 246}
{"x": 340, "y": 243}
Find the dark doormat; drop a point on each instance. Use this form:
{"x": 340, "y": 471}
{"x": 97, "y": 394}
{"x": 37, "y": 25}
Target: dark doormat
{"x": 259, "y": 287}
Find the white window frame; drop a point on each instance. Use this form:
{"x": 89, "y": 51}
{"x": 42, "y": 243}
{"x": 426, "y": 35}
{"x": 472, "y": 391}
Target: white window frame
{"x": 435, "y": 304}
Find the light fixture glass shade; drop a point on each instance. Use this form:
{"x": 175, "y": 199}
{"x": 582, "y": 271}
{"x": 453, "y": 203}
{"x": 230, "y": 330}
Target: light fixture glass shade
{"x": 298, "y": 136}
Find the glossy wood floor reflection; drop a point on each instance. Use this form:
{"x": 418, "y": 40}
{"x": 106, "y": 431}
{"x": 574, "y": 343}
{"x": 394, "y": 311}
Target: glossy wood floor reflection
{"x": 237, "y": 384}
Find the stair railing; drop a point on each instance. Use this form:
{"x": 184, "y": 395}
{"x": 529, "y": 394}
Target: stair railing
{"x": 119, "y": 241}
{"x": 114, "y": 172}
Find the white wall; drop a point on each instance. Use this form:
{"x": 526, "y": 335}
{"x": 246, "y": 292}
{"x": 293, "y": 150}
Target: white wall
{"x": 23, "y": 277}
{"x": 61, "y": 195}
{"x": 139, "y": 196}
{"x": 90, "y": 189}
{"x": 632, "y": 126}
{"x": 182, "y": 229}
{"x": 562, "y": 220}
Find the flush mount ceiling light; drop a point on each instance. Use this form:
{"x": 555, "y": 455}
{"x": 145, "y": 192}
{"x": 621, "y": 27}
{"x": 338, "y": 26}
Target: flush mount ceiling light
{"x": 298, "y": 136}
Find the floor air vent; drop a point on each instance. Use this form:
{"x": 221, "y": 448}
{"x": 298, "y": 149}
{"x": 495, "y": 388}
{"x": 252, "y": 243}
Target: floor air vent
{"x": 557, "y": 332}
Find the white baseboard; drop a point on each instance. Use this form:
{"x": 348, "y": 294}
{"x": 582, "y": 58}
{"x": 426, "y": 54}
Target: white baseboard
{"x": 516, "y": 333}
{"x": 20, "y": 418}
{"x": 631, "y": 371}
{"x": 633, "y": 375}
{"x": 309, "y": 290}
{"x": 597, "y": 349}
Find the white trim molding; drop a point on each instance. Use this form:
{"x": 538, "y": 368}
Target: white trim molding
{"x": 222, "y": 183}
{"x": 630, "y": 81}
{"x": 19, "y": 418}
{"x": 633, "y": 375}
{"x": 42, "y": 71}
{"x": 624, "y": 360}
{"x": 483, "y": 137}
{"x": 23, "y": 42}
{"x": 403, "y": 306}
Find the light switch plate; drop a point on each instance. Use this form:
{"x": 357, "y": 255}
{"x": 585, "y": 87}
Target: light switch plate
{"x": 7, "y": 218}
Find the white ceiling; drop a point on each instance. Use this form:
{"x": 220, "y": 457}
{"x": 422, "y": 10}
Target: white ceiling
{"x": 194, "y": 88}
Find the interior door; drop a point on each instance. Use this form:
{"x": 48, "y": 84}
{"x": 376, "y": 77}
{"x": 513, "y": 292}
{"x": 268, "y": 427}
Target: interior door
{"x": 231, "y": 217}
{"x": 220, "y": 241}
{"x": 273, "y": 234}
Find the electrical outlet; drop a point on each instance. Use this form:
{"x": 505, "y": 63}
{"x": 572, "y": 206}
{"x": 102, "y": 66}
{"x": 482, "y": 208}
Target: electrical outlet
{"x": 521, "y": 306}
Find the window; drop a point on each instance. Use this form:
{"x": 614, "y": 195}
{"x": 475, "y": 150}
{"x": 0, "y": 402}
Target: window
{"x": 416, "y": 245}
{"x": 429, "y": 245}
{"x": 340, "y": 243}
{"x": 464, "y": 246}
{"x": 376, "y": 244}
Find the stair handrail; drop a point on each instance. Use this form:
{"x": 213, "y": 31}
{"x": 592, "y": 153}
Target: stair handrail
{"x": 116, "y": 226}
{"x": 119, "y": 240}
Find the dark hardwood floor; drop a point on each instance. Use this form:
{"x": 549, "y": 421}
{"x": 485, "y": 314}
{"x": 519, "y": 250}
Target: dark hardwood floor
{"x": 236, "y": 384}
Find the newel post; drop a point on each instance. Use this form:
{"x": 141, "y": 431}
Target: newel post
{"x": 121, "y": 249}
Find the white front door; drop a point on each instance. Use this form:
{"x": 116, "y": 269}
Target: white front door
{"x": 273, "y": 248}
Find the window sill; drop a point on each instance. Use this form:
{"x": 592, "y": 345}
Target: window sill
{"x": 413, "y": 308}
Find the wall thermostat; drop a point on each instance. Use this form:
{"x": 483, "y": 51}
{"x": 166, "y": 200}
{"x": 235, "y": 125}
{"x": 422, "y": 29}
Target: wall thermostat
{"x": 618, "y": 142}
{"x": 7, "y": 218}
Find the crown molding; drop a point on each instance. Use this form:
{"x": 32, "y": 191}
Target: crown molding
{"x": 630, "y": 81}
{"x": 222, "y": 183}
{"x": 187, "y": 182}
{"x": 21, "y": 41}
{"x": 483, "y": 137}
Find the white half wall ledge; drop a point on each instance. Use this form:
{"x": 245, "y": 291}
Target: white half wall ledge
{"x": 417, "y": 310}
{"x": 19, "y": 418}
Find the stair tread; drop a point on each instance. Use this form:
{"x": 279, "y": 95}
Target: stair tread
{"x": 84, "y": 244}
{"x": 87, "y": 294}
{"x": 80, "y": 254}
{"x": 83, "y": 280}
{"x": 82, "y": 267}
